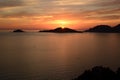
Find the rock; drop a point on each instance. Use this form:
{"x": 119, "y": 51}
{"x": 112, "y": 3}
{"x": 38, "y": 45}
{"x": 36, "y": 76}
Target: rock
{"x": 18, "y": 30}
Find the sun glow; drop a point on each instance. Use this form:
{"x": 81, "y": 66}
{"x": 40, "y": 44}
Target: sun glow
{"x": 62, "y": 23}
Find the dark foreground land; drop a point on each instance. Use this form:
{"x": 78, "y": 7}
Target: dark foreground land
{"x": 99, "y": 73}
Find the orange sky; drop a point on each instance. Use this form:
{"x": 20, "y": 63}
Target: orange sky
{"x": 49, "y": 14}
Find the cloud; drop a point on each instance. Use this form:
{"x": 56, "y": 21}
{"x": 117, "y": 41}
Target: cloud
{"x": 10, "y": 3}
{"x": 35, "y": 7}
{"x": 102, "y": 14}
{"x": 55, "y": 9}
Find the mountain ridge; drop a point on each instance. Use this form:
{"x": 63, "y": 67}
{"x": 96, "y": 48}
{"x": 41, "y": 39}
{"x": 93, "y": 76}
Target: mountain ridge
{"x": 62, "y": 30}
{"x": 105, "y": 29}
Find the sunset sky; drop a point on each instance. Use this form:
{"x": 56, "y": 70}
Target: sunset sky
{"x": 48, "y": 14}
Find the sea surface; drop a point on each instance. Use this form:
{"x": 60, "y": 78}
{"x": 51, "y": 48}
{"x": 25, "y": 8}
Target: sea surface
{"x": 55, "y": 56}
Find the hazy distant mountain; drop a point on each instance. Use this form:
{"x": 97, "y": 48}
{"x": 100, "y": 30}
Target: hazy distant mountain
{"x": 18, "y": 30}
{"x": 61, "y": 30}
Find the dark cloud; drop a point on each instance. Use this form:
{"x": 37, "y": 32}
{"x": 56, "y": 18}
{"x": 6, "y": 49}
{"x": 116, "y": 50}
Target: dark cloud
{"x": 17, "y": 14}
{"x": 110, "y": 3}
{"x": 10, "y": 3}
{"x": 102, "y": 14}
{"x": 103, "y": 17}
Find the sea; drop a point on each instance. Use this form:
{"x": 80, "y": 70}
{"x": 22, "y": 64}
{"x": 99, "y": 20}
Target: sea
{"x": 56, "y": 56}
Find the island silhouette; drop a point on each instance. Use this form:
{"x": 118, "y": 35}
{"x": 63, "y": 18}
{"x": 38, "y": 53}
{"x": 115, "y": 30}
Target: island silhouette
{"x": 62, "y": 30}
{"x": 104, "y": 29}
{"x": 96, "y": 29}
{"x": 18, "y": 30}
{"x": 117, "y": 28}
{"x": 99, "y": 73}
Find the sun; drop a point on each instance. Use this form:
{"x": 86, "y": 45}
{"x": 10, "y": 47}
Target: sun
{"x": 62, "y": 23}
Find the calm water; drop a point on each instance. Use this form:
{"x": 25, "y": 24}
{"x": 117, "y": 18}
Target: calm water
{"x": 50, "y": 56}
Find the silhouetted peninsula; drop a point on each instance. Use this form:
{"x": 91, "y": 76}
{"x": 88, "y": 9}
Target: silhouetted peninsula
{"x": 117, "y": 28}
{"x": 18, "y": 30}
{"x": 105, "y": 29}
{"x": 100, "y": 28}
{"x": 61, "y": 30}
{"x": 99, "y": 73}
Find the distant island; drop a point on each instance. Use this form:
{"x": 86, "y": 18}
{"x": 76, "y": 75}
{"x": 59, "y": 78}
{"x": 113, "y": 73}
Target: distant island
{"x": 61, "y": 30}
{"x": 96, "y": 29}
{"x": 18, "y": 30}
{"x": 104, "y": 29}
